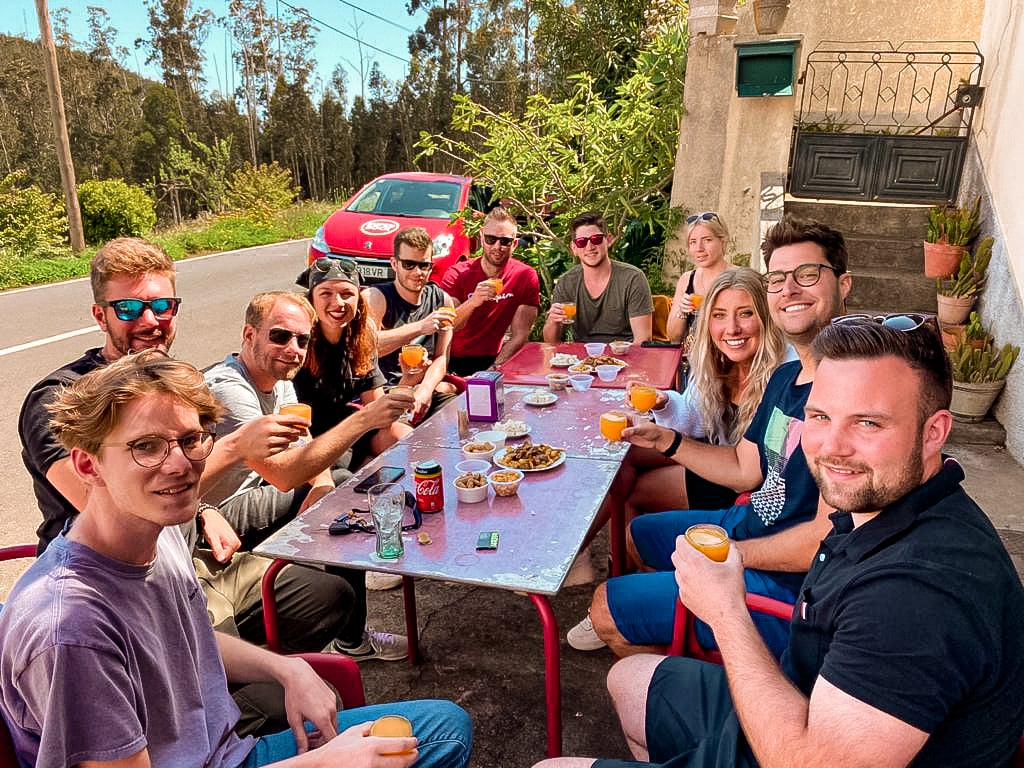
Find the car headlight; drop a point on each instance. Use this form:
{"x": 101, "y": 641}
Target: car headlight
{"x": 443, "y": 245}
{"x": 318, "y": 243}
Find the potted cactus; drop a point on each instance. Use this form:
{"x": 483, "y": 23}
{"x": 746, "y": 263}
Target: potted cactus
{"x": 950, "y": 229}
{"x": 957, "y": 292}
{"x": 979, "y": 375}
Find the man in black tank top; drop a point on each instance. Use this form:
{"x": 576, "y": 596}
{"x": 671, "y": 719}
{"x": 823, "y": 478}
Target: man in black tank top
{"x": 413, "y": 311}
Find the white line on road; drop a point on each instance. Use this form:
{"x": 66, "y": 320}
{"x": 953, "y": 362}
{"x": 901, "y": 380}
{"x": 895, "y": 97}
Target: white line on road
{"x": 48, "y": 340}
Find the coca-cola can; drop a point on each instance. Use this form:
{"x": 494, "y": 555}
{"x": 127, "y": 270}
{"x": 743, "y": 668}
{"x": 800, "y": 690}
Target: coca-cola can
{"x": 429, "y": 486}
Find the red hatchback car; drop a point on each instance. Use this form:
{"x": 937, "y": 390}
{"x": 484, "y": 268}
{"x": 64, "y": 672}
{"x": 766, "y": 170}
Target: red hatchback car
{"x": 364, "y": 228}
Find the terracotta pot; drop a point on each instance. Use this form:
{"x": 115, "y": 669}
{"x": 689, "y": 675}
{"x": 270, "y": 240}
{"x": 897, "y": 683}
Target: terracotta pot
{"x": 953, "y": 310}
{"x": 971, "y": 402}
{"x": 951, "y": 334}
{"x": 769, "y": 15}
{"x": 941, "y": 260}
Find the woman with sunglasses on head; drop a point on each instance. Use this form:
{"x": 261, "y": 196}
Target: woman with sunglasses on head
{"x": 341, "y": 363}
{"x": 706, "y": 238}
{"x": 736, "y": 349}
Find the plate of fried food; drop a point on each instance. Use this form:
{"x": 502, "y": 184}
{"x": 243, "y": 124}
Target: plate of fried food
{"x": 530, "y": 457}
{"x": 595, "y": 360}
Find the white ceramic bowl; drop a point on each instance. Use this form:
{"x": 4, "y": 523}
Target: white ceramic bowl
{"x": 620, "y": 347}
{"x": 475, "y": 449}
{"x": 494, "y": 436}
{"x": 594, "y": 348}
{"x": 581, "y": 382}
{"x": 557, "y": 381}
{"x": 505, "y": 487}
{"x": 470, "y": 495}
{"x": 607, "y": 372}
{"x": 472, "y": 465}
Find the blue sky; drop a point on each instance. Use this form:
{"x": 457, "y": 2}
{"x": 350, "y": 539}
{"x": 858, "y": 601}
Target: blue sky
{"x": 354, "y": 19}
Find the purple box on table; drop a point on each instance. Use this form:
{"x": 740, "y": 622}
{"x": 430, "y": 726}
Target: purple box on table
{"x": 485, "y": 396}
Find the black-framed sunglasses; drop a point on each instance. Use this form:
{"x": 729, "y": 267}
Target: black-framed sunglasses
{"x": 409, "y": 265}
{"x": 504, "y": 241}
{"x": 343, "y": 525}
{"x": 898, "y": 321}
{"x": 281, "y": 337}
{"x": 705, "y": 216}
{"x": 150, "y": 451}
{"x": 132, "y": 309}
{"x": 805, "y": 276}
{"x": 595, "y": 239}
{"x": 327, "y": 263}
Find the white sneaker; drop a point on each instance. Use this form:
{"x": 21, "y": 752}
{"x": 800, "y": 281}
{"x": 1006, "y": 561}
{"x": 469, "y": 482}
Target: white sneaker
{"x": 378, "y": 582}
{"x": 375, "y": 645}
{"x": 582, "y": 637}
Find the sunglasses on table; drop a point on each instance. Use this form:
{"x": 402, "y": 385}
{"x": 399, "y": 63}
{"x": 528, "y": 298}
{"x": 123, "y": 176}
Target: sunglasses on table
{"x": 897, "y": 321}
{"x": 282, "y": 336}
{"x": 805, "y": 276}
{"x": 150, "y": 451}
{"x": 132, "y": 309}
{"x": 408, "y": 265}
{"x": 581, "y": 242}
{"x": 343, "y": 525}
{"x": 504, "y": 241}
{"x": 706, "y": 216}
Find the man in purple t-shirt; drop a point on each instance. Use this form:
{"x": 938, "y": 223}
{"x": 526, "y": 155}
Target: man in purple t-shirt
{"x": 512, "y": 307}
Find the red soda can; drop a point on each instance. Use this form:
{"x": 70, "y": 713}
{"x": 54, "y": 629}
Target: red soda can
{"x": 429, "y": 486}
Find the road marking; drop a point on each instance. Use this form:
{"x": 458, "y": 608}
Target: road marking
{"x": 48, "y": 340}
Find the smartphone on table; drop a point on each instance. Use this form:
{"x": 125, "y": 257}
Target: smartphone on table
{"x": 380, "y": 475}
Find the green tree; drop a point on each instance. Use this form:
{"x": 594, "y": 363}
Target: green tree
{"x": 111, "y": 208}
{"x": 32, "y": 222}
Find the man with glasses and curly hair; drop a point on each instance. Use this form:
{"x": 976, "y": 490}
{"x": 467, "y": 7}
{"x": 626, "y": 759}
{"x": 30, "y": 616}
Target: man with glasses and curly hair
{"x": 906, "y": 634}
{"x": 498, "y": 298}
{"x": 108, "y": 658}
{"x": 610, "y": 300}
{"x": 411, "y": 310}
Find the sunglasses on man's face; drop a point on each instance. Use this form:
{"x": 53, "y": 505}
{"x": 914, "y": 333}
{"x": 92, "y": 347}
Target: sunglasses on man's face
{"x": 132, "y": 309}
{"x": 408, "y": 265}
{"x": 281, "y": 337}
{"x": 706, "y": 216}
{"x": 581, "y": 242}
{"x": 504, "y": 241}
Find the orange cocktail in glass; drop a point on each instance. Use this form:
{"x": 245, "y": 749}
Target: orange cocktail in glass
{"x": 391, "y": 726}
{"x": 612, "y": 423}
{"x": 569, "y": 310}
{"x": 710, "y": 539}
{"x": 696, "y": 299}
{"x": 643, "y": 397}
{"x": 297, "y": 409}
{"x": 498, "y": 284}
{"x": 413, "y": 354}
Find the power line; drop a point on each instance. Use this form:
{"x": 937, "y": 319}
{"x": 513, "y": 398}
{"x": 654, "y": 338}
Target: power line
{"x": 322, "y": 23}
{"x": 381, "y": 18}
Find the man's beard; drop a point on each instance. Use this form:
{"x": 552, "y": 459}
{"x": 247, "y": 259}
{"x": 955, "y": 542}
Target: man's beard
{"x": 868, "y": 496}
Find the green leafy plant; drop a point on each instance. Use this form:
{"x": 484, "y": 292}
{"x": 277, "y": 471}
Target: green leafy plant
{"x": 970, "y": 275}
{"x": 952, "y": 225}
{"x": 975, "y": 366}
{"x": 261, "y": 191}
{"x": 111, "y": 208}
{"x": 32, "y": 222}
{"x": 974, "y": 330}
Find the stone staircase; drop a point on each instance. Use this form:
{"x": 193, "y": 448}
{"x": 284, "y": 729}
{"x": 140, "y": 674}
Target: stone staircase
{"x": 887, "y": 263}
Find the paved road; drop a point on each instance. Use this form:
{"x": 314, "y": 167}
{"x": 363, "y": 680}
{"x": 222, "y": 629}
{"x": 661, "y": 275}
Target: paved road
{"x": 215, "y": 290}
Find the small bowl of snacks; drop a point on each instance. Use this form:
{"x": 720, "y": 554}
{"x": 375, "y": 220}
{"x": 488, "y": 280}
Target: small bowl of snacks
{"x": 595, "y": 348}
{"x": 493, "y": 436}
{"x": 608, "y": 372}
{"x": 479, "y": 449}
{"x": 505, "y": 482}
{"x": 557, "y": 381}
{"x": 620, "y": 347}
{"x": 472, "y": 465}
{"x": 581, "y": 382}
{"x": 471, "y": 487}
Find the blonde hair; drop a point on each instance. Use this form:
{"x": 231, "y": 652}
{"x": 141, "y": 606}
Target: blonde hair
{"x": 88, "y": 410}
{"x": 128, "y": 256}
{"x": 712, "y": 369}
{"x": 262, "y": 304}
{"x": 717, "y": 227}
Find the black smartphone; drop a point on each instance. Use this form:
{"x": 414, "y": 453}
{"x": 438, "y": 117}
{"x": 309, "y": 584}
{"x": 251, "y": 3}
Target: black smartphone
{"x": 382, "y": 475}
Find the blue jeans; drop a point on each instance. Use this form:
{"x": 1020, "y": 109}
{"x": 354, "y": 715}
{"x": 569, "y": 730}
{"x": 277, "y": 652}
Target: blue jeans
{"x": 643, "y": 604}
{"x": 444, "y": 731}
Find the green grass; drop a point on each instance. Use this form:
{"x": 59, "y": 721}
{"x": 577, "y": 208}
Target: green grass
{"x": 207, "y": 235}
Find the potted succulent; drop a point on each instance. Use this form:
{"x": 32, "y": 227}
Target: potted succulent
{"x": 950, "y": 229}
{"x": 979, "y": 375}
{"x": 956, "y": 293}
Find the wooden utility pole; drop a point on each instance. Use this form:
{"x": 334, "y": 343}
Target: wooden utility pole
{"x": 60, "y": 128}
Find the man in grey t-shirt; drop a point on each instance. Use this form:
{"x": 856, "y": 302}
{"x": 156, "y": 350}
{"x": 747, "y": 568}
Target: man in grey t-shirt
{"x": 612, "y": 299}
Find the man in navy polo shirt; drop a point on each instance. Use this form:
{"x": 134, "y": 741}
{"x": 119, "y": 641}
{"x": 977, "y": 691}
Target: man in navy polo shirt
{"x": 905, "y": 644}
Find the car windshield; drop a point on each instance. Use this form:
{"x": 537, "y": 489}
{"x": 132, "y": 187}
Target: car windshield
{"x": 403, "y": 197}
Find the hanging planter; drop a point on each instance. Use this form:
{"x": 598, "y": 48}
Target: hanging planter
{"x": 971, "y": 402}
{"x": 940, "y": 259}
{"x": 769, "y": 15}
{"x": 953, "y": 310}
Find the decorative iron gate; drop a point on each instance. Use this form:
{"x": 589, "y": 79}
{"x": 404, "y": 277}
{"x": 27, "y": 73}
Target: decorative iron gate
{"x": 879, "y": 123}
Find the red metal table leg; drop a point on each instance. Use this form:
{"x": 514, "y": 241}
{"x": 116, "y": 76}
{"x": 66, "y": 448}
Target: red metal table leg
{"x": 411, "y": 625}
{"x": 552, "y": 674}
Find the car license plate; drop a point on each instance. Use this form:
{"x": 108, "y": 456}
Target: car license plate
{"x": 373, "y": 271}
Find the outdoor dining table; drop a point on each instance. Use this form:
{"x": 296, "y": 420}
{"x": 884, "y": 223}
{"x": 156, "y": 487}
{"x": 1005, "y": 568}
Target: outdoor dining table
{"x": 657, "y": 366}
{"x": 541, "y": 529}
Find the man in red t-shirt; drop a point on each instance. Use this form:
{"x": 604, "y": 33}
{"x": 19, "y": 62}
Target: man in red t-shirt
{"x": 498, "y": 293}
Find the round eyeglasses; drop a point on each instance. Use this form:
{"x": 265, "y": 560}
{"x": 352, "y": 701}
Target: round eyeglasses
{"x": 805, "y": 276}
{"x": 150, "y": 451}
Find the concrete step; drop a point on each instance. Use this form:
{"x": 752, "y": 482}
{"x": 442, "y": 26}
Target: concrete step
{"x": 889, "y": 290}
{"x": 883, "y": 220}
{"x": 988, "y": 431}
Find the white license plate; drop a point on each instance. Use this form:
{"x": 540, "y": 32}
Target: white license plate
{"x": 373, "y": 271}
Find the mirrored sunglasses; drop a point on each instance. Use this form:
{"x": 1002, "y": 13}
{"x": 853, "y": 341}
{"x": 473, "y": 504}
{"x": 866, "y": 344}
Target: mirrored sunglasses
{"x": 281, "y": 337}
{"x": 705, "y": 216}
{"x": 504, "y": 241}
{"x": 327, "y": 263}
{"x": 581, "y": 242}
{"x": 898, "y": 321}
{"x": 132, "y": 309}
